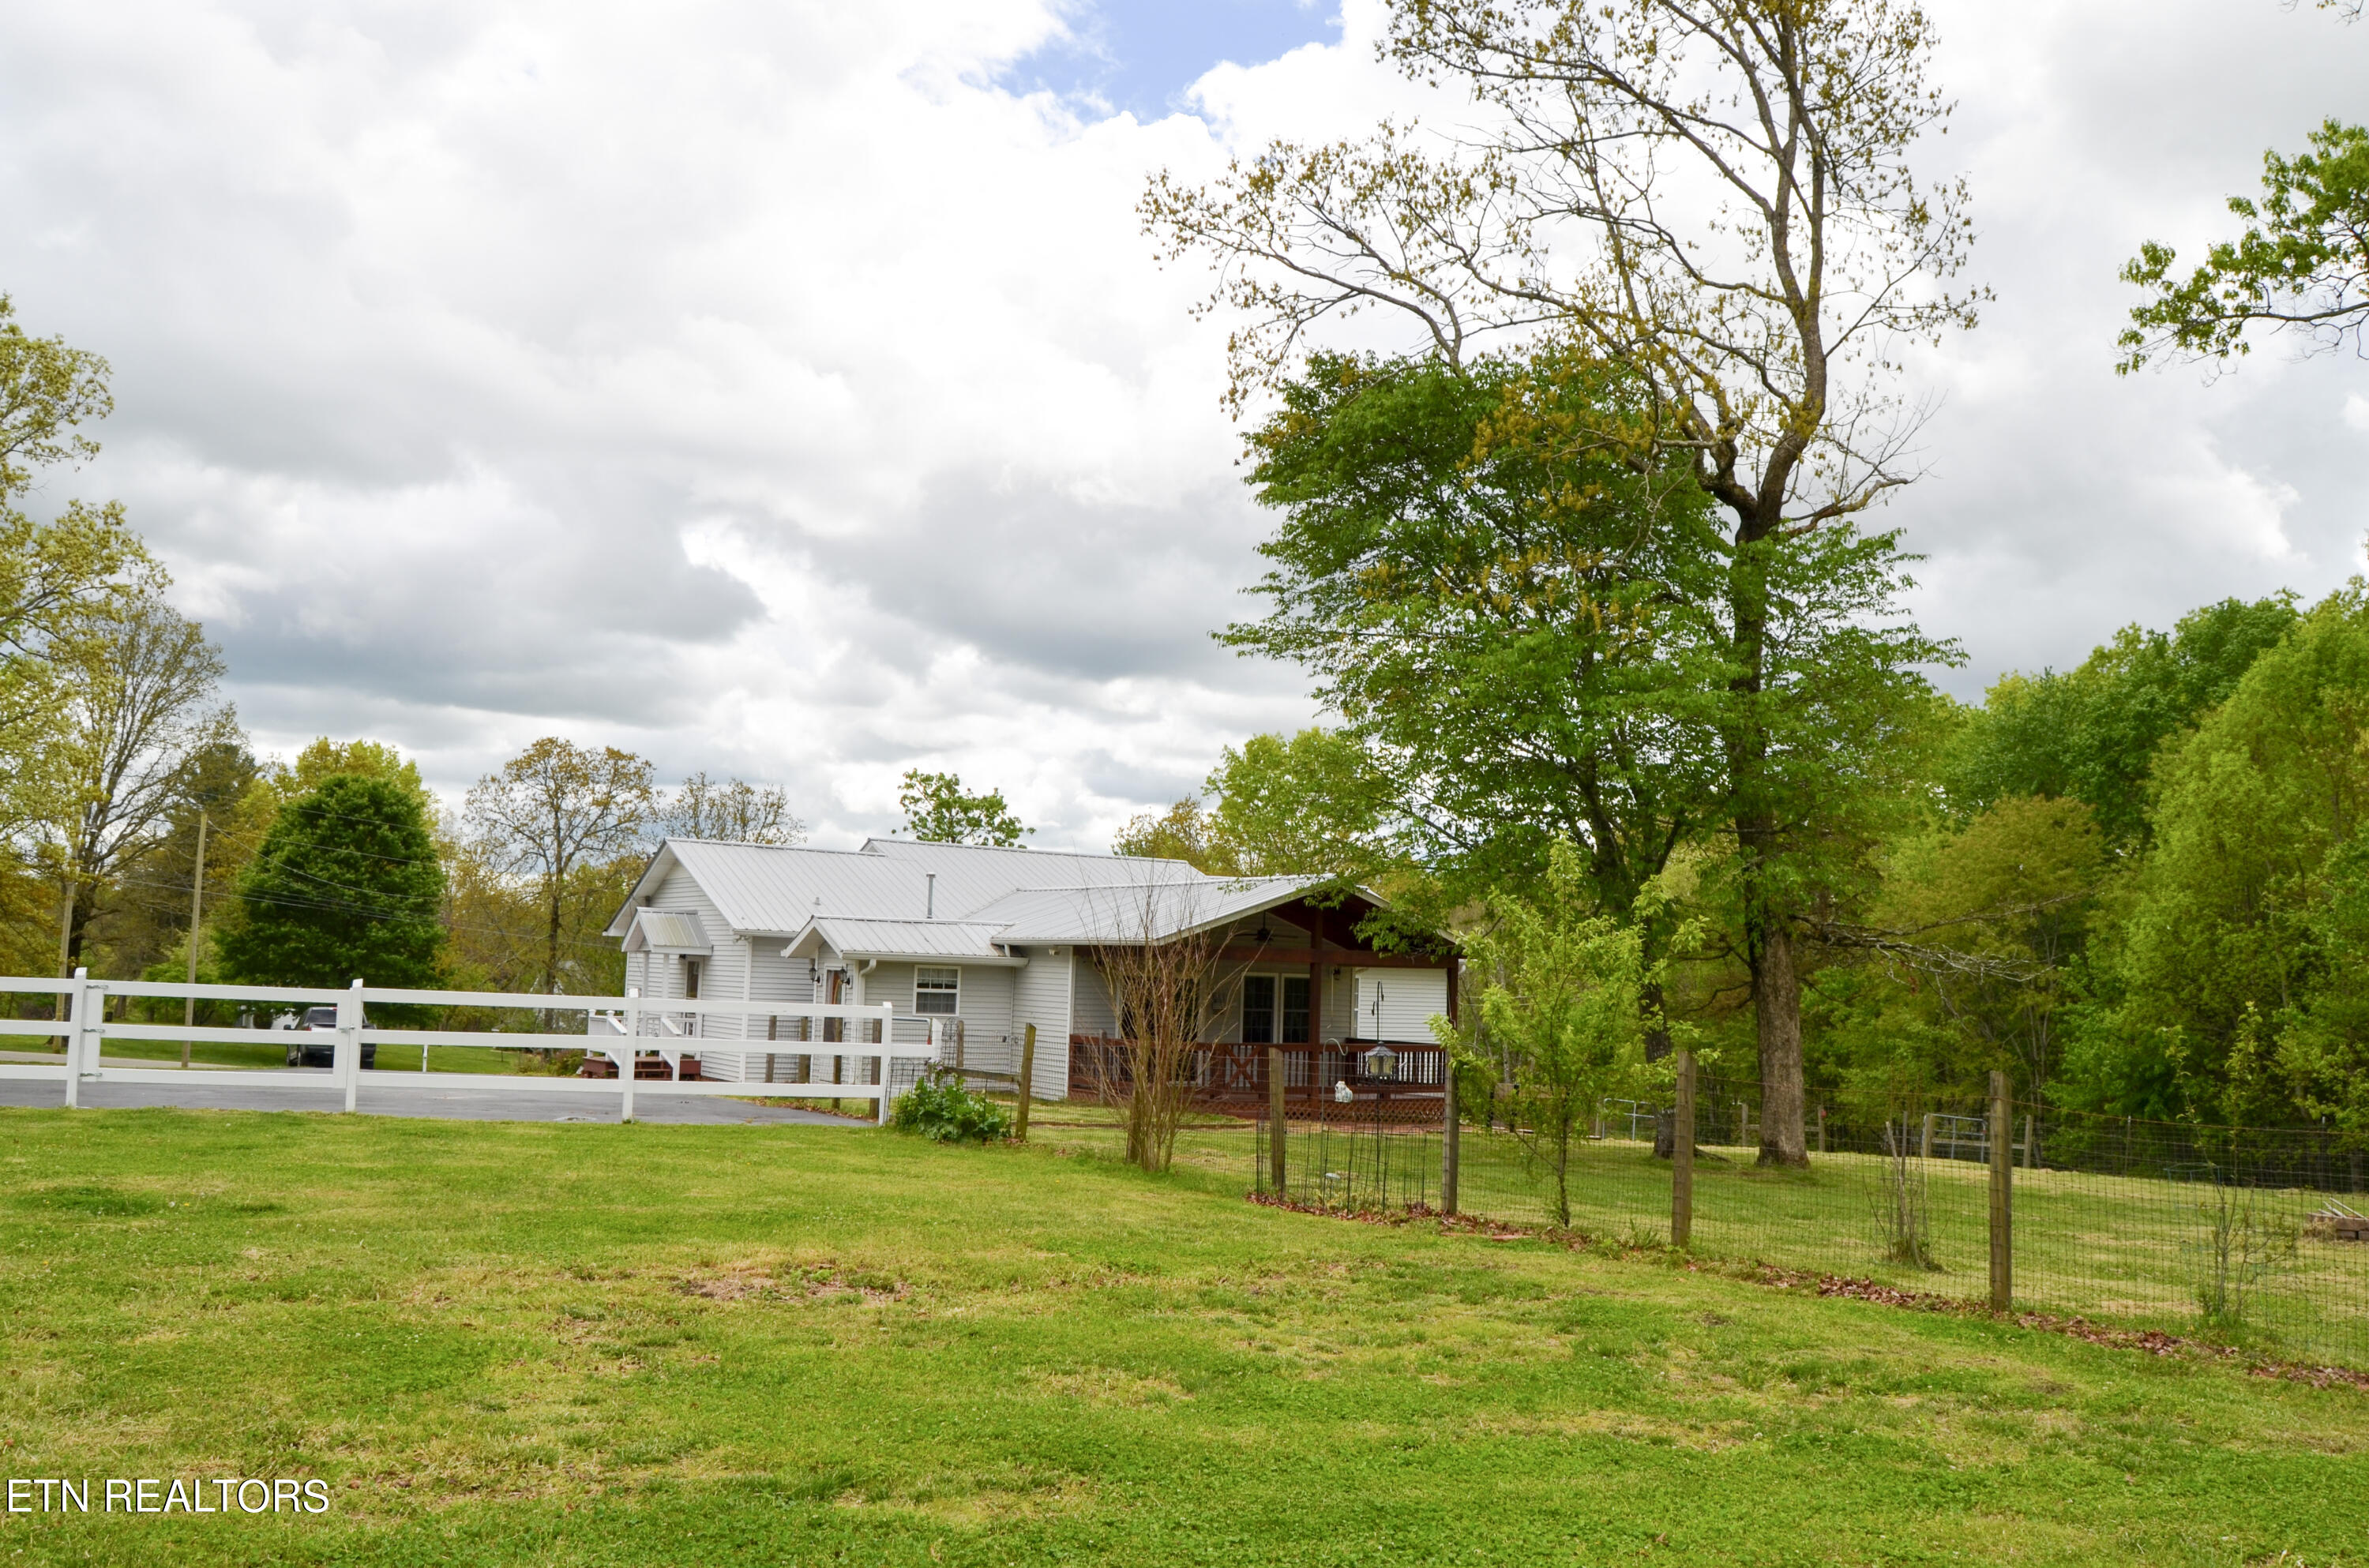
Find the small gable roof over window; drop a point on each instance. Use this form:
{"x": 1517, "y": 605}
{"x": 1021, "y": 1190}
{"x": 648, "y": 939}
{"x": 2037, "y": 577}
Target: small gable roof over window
{"x": 668, "y": 931}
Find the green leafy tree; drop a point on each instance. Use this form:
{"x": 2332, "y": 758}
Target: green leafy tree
{"x": 549, "y": 827}
{"x": 324, "y": 757}
{"x": 347, "y": 885}
{"x": 2092, "y": 732}
{"x": 1184, "y": 831}
{"x": 1313, "y": 804}
{"x": 1310, "y": 804}
{"x": 731, "y": 809}
{"x": 2302, "y": 266}
{"x": 1558, "y": 1024}
{"x": 939, "y": 810}
{"x": 55, "y": 576}
{"x": 141, "y": 688}
{"x": 1718, "y": 198}
{"x": 1970, "y": 956}
{"x": 1527, "y": 627}
{"x": 2226, "y": 936}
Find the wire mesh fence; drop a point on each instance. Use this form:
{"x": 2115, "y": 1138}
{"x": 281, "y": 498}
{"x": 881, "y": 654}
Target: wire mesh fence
{"x": 2254, "y": 1236}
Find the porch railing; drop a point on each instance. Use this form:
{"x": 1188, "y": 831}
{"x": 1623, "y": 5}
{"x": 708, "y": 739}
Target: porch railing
{"x": 1241, "y": 1073}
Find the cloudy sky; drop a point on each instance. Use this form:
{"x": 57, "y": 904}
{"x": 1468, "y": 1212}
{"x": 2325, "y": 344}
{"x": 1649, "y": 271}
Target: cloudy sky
{"x": 786, "y": 389}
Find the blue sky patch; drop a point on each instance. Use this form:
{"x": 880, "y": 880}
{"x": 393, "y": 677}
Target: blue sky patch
{"x": 1138, "y": 56}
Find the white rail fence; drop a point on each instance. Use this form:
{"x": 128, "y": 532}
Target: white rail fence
{"x": 624, "y": 1029}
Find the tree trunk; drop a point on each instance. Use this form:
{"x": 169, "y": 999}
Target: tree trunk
{"x": 1776, "y": 1012}
{"x": 1657, "y": 1023}
{"x": 1768, "y": 937}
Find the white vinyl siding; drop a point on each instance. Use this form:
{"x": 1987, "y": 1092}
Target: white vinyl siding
{"x": 1404, "y": 999}
{"x": 1090, "y": 1003}
{"x": 1041, "y": 995}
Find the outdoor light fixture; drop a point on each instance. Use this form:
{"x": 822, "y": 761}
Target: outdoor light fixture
{"x": 1382, "y": 1062}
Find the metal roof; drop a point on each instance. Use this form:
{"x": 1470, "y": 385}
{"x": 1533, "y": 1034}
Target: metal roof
{"x": 668, "y": 931}
{"x": 1160, "y": 911}
{"x": 876, "y": 900}
{"x": 895, "y": 939}
{"x": 973, "y": 876}
{"x": 772, "y": 890}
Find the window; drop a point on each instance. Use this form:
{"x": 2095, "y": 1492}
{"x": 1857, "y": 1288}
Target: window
{"x": 937, "y": 991}
{"x": 1258, "y": 1009}
{"x": 1295, "y": 1010}
{"x": 690, "y": 979}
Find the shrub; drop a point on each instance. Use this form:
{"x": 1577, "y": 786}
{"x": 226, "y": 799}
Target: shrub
{"x": 940, "y": 1108}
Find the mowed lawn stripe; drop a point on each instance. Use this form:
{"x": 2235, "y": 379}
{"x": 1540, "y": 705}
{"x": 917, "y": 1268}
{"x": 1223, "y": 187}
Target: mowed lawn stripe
{"x": 583, "y": 1344}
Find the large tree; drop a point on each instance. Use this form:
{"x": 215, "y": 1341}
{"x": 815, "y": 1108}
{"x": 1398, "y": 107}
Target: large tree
{"x": 1514, "y": 628}
{"x": 731, "y": 809}
{"x": 545, "y": 819}
{"x": 1717, "y": 199}
{"x": 347, "y": 885}
{"x": 54, "y": 574}
{"x": 141, "y": 707}
{"x": 939, "y": 809}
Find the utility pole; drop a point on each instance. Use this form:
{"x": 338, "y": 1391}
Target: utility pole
{"x": 197, "y": 908}
{"x": 65, "y": 934}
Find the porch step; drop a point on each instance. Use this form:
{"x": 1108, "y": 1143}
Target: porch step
{"x": 644, "y": 1068}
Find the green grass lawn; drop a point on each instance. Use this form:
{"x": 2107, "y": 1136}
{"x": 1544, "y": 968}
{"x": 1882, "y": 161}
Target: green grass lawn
{"x": 583, "y": 1344}
{"x": 2134, "y": 1250}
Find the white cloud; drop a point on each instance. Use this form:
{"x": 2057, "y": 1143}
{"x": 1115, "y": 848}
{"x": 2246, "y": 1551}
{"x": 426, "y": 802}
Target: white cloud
{"x": 759, "y": 386}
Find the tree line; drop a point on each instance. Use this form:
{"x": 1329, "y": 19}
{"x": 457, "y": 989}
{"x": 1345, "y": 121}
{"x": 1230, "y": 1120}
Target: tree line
{"x": 1620, "y": 669}
{"x": 137, "y": 822}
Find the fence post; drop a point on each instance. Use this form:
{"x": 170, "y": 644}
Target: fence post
{"x": 1682, "y": 1157}
{"x": 80, "y": 999}
{"x": 1451, "y": 1136}
{"x": 1027, "y": 1084}
{"x": 632, "y": 1048}
{"x": 1275, "y": 1118}
{"x": 1925, "y": 1150}
{"x": 349, "y": 1041}
{"x": 887, "y": 1027}
{"x": 2002, "y": 1195}
{"x": 1822, "y": 1130}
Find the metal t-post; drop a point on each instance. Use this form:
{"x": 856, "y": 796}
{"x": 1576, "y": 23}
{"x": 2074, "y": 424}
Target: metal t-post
{"x": 1275, "y": 1117}
{"x": 1450, "y": 1131}
{"x": 2002, "y": 1195}
{"x": 1682, "y": 1157}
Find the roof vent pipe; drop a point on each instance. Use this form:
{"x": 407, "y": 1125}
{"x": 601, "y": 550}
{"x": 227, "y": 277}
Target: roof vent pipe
{"x": 930, "y": 911}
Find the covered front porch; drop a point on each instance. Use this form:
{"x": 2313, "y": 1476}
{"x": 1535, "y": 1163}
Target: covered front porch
{"x": 1399, "y": 1080}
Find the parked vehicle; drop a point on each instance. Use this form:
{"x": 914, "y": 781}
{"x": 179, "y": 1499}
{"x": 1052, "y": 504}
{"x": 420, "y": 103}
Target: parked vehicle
{"x": 315, "y": 1044}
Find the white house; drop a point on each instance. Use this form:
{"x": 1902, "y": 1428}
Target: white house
{"x": 998, "y": 939}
